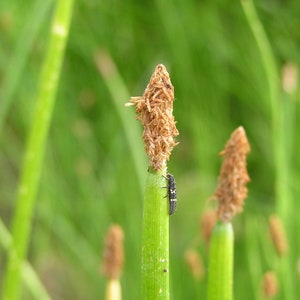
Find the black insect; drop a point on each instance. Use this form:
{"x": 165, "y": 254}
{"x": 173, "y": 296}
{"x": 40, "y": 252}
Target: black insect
{"x": 171, "y": 193}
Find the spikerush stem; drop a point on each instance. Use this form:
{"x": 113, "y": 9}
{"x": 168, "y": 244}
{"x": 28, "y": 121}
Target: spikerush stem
{"x": 32, "y": 164}
{"x": 276, "y": 108}
{"x": 155, "y": 239}
{"x": 220, "y": 273}
{"x": 113, "y": 290}
{"x": 26, "y": 38}
{"x": 280, "y": 127}
{"x": 29, "y": 276}
{"x": 155, "y": 111}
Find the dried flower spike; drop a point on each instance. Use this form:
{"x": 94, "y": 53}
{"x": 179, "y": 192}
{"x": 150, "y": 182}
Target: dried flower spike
{"x": 195, "y": 264}
{"x": 207, "y": 223}
{"x": 278, "y": 236}
{"x": 231, "y": 190}
{"x": 113, "y": 253}
{"x": 290, "y": 78}
{"x": 270, "y": 285}
{"x": 155, "y": 110}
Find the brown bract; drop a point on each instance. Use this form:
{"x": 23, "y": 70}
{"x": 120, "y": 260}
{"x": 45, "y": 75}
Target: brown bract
{"x": 113, "y": 252}
{"x": 231, "y": 190}
{"x": 155, "y": 111}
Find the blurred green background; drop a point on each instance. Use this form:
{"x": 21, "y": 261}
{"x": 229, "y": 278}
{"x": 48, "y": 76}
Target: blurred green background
{"x": 95, "y": 166}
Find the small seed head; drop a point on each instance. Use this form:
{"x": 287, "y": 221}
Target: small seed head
{"x": 278, "y": 235}
{"x": 113, "y": 252}
{"x": 155, "y": 111}
{"x": 270, "y": 285}
{"x": 231, "y": 190}
{"x": 207, "y": 223}
{"x": 195, "y": 263}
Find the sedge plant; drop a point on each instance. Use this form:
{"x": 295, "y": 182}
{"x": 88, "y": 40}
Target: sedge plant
{"x": 113, "y": 262}
{"x": 34, "y": 153}
{"x": 282, "y": 111}
{"x": 155, "y": 111}
{"x": 230, "y": 194}
{"x": 29, "y": 276}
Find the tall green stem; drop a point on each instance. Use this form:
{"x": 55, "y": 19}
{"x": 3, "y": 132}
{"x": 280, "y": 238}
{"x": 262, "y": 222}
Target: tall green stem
{"x": 273, "y": 92}
{"x": 26, "y": 38}
{"x": 30, "y": 176}
{"x": 29, "y": 276}
{"x": 119, "y": 92}
{"x": 279, "y": 128}
{"x": 155, "y": 240}
{"x": 220, "y": 273}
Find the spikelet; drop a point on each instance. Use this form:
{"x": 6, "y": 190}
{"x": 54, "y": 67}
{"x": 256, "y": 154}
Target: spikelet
{"x": 113, "y": 253}
{"x": 155, "y": 111}
{"x": 195, "y": 263}
{"x": 290, "y": 78}
{"x": 269, "y": 285}
{"x": 207, "y": 224}
{"x": 278, "y": 235}
{"x": 231, "y": 190}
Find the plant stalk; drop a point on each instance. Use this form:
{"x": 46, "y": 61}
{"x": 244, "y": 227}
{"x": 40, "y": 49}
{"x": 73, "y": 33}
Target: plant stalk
{"x": 113, "y": 290}
{"x": 279, "y": 137}
{"x": 155, "y": 239}
{"x": 34, "y": 154}
{"x": 220, "y": 273}
{"x": 29, "y": 276}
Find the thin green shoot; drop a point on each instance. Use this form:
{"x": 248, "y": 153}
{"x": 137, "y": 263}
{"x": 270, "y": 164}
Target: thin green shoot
{"x": 34, "y": 153}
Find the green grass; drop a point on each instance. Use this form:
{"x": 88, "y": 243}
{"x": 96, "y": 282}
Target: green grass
{"x": 94, "y": 169}
{"x": 34, "y": 154}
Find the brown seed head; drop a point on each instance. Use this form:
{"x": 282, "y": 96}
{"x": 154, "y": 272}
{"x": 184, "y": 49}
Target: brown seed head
{"x": 155, "y": 110}
{"x": 195, "y": 264}
{"x": 113, "y": 252}
{"x": 270, "y": 285}
{"x": 290, "y": 78}
{"x": 207, "y": 223}
{"x": 231, "y": 190}
{"x": 278, "y": 235}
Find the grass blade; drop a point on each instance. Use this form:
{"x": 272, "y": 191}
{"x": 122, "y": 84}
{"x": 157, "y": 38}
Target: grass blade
{"x": 35, "y": 148}
{"x": 28, "y": 274}
{"x": 22, "y": 51}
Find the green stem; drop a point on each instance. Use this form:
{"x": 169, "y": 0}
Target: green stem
{"x": 119, "y": 92}
{"x": 280, "y": 127}
{"x": 28, "y": 274}
{"x": 155, "y": 240}
{"x": 267, "y": 58}
{"x": 26, "y": 37}
{"x": 273, "y": 92}
{"x": 32, "y": 164}
{"x": 220, "y": 273}
{"x": 253, "y": 255}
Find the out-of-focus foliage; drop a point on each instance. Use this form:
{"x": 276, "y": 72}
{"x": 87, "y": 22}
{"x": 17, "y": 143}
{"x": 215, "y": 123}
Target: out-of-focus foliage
{"x": 90, "y": 178}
